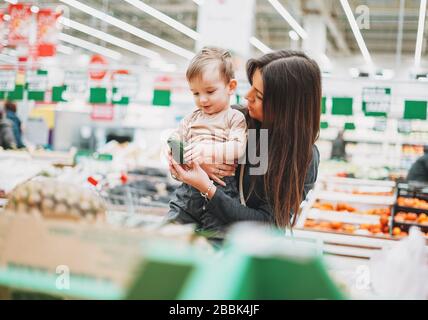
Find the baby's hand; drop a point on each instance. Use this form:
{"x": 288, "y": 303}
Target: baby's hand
{"x": 200, "y": 153}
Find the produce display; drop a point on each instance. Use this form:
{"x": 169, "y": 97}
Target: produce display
{"x": 50, "y": 198}
{"x": 343, "y": 206}
{"x": 410, "y": 208}
{"x": 380, "y": 229}
{"x": 351, "y": 206}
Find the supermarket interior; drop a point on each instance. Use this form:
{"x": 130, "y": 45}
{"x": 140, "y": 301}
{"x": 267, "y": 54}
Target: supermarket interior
{"x": 91, "y": 92}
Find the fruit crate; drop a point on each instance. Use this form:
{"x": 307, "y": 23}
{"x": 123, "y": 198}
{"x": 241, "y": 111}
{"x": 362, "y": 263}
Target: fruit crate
{"x": 410, "y": 208}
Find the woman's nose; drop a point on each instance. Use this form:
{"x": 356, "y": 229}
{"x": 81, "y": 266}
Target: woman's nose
{"x": 248, "y": 96}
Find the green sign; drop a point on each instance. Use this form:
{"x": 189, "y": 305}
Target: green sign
{"x": 17, "y": 94}
{"x": 98, "y": 95}
{"x": 415, "y": 110}
{"x": 323, "y": 108}
{"x": 117, "y": 98}
{"x": 376, "y": 101}
{"x": 324, "y": 125}
{"x": 161, "y": 98}
{"x": 349, "y": 126}
{"x": 57, "y": 93}
{"x": 37, "y": 84}
{"x": 342, "y": 106}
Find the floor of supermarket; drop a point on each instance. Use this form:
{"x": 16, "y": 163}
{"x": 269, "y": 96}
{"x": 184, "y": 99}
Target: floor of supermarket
{"x": 95, "y": 97}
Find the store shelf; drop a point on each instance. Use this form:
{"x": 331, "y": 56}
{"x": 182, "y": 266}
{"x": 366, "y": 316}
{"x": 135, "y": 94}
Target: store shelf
{"x": 339, "y": 196}
{"x": 345, "y": 217}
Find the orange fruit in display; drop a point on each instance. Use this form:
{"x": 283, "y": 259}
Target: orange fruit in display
{"x": 309, "y": 223}
{"x": 383, "y": 220}
{"x": 348, "y": 228}
{"x": 365, "y": 226}
{"x": 411, "y": 216}
{"x": 422, "y": 217}
{"x": 336, "y": 225}
{"x": 324, "y": 225}
{"x": 396, "y": 231}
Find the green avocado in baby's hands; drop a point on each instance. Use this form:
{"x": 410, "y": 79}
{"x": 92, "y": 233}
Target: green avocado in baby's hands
{"x": 177, "y": 149}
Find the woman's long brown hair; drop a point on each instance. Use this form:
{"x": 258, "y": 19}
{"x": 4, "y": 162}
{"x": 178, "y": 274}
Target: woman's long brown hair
{"x": 291, "y": 114}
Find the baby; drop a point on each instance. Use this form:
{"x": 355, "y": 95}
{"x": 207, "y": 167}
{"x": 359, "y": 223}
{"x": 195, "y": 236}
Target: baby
{"x": 213, "y": 133}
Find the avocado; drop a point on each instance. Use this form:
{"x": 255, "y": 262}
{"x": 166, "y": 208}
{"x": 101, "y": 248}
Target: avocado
{"x": 177, "y": 149}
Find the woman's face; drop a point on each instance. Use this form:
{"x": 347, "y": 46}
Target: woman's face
{"x": 254, "y": 97}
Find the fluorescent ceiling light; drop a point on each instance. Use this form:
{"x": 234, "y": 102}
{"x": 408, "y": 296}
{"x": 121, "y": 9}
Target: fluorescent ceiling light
{"x": 90, "y": 46}
{"x": 65, "y": 49}
{"x": 293, "y": 35}
{"x": 164, "y": 18}
{"x": 34, "y": 9}
{"x": 419, "y": 37}
{"x": 199, "y": 2}
{"x": 131, "y": 29}
{"x": 109, "y": 38}
{"x": 356, "y": 31}
{"x": 287, "y": 16}
{"x": 12, "y": 1}
{"x": 260, "y": 45}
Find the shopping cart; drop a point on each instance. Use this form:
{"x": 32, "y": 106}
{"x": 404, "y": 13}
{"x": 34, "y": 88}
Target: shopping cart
{"x": 134, "y": 203}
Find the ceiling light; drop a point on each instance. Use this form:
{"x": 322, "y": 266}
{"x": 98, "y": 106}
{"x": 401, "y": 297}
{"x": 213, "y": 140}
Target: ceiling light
{"x": 420, "y": 35}
{"x": 293, "y": 35}
{"x": 109, "y": 38}
{"x": 12, "y": 1}
{"x": 260, "y": 45}
{"x": 287, "y": 16}
{"x": 199, "y": 2}
{"x": 354, "y": 72}
{"x": 164, "y": 18}
{"x": 131, "y": 29}
{"x": 90, "y": 46}
{"x": 34, "y": 9}
{"x": 356, "y": 31}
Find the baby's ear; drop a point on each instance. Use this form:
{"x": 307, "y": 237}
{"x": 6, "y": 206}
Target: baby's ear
{"x": 232, "y": 85}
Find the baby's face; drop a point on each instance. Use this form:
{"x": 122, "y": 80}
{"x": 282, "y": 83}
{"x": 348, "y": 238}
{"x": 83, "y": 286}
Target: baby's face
{"x": 211, "y": 92}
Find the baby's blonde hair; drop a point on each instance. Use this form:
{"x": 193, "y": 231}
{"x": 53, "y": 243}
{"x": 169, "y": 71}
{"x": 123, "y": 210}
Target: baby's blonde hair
{"x": 207, "y": 56}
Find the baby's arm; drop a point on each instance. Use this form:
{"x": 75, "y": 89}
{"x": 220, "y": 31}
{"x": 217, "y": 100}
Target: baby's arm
{"x": 234, "y": 148}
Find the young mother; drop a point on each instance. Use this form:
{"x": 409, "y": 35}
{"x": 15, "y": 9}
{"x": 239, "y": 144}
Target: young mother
{"x": 285, "y": 99}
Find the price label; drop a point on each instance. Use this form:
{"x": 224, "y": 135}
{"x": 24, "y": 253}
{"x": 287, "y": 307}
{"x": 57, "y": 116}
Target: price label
{"x": 7, "y": 80}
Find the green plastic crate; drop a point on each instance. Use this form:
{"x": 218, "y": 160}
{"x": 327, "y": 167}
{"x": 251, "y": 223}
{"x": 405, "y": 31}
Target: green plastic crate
{"x": 256, "y": 278}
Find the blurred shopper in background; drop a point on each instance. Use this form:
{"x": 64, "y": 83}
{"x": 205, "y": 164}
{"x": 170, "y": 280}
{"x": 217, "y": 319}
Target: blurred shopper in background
{"x": 419, "y": 170}
{"x": 10, "y": 108}
{"x": 338, "y": 151}
{"x": 7, "y": 140}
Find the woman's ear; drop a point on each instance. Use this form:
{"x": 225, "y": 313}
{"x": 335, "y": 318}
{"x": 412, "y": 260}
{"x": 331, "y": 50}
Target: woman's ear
{"x": 232, "y": 85}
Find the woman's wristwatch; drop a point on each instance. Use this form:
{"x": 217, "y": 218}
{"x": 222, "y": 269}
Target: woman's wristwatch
{"x": 205, "y": 194}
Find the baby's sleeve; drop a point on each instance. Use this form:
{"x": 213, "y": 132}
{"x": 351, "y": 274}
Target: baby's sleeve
{"x": 181, "y": 132}
{"x": 238, "y": 131}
